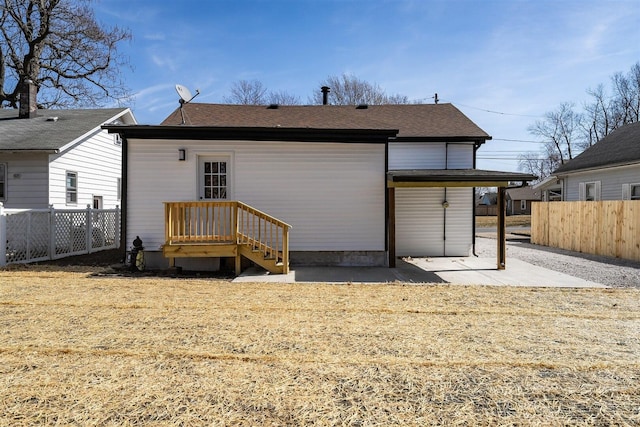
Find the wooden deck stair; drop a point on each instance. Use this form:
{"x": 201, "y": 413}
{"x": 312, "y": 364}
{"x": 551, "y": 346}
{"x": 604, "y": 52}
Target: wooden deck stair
{"x": 226, "y": 229}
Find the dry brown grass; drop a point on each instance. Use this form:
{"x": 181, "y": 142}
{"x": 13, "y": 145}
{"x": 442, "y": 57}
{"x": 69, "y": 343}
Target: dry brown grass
{"x": 77, "y": 349}
{"x": 511, "y": 220}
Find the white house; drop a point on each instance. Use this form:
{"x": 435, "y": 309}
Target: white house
{"x": 358, "y": 185}
{"x": 608, "y": 170}
{"x": 61, "y": 158}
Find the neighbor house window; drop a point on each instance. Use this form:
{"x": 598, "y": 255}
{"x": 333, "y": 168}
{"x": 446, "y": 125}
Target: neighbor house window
{"x": 72, "y": 187}
{"x": 3, "y": 181}
{"x": 634, "y": 191}
{"x": 523, "y": 205}
{"x": 589, "y": 191}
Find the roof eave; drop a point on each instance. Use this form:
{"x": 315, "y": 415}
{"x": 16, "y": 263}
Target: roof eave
{"x": 253, "y": 133}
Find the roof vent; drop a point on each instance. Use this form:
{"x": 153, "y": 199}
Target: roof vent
{"x": 325, "y": 94}
{"x": 52, "y": 119}
{"x": 362, "y": 107}
{"x": 273, "y": 106}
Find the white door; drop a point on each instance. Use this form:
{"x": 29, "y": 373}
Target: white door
{"x": 419, "y": 222}
{"x": 424, "y": 227}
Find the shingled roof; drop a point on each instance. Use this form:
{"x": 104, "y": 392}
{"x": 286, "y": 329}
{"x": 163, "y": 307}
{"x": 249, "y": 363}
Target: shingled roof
{"x": 419, "y": 121}
{"x": 50, "y": 129}
{"x": 621, "y": 147}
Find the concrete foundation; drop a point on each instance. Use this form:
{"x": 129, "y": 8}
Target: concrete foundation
{"x": 339, "y": 258}
{"x": 154, "y": 260}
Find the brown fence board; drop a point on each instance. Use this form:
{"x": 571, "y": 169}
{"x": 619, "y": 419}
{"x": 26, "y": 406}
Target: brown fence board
{"x": 609, "y": 228}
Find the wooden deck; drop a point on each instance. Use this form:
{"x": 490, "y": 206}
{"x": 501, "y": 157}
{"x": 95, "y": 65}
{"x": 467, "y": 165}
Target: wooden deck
{"x": 223, "y": 228}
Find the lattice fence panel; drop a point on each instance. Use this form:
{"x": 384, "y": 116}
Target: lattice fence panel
{"x": 103, "y": 229}
{"x": 27, "y": 237}
{"x": 70, "y": 233}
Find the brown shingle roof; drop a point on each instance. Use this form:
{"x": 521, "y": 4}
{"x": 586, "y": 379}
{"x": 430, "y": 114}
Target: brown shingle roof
{"x": 413, "y": 120}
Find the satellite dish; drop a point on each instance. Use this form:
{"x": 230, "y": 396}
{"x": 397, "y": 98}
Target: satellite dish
{"x": 184, "y": 93}
{"x": 185, "y": 98}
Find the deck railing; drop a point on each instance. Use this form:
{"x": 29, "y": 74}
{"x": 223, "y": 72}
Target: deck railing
{"x": 212, "y": 222}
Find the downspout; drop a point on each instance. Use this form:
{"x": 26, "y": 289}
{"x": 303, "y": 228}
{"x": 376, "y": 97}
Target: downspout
{"x": 123, "y": 199}
{"x": 444, "y": 208}
{"x": 473, "y": 204}
{"x": 386, "y": 200}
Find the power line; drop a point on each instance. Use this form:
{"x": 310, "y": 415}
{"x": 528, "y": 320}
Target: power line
{"x": 518, "y": 140}
{"x": 497, "y": 112}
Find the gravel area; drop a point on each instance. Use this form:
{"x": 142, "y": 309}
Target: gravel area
{"x": 608, "y": 271}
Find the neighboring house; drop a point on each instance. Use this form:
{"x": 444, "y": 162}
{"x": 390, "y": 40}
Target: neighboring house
{"x": 488, "y": 199}
{"x": 61, "y": 158}
{"x": 519, "y": 200}
{"x": 486, "y": 204}
{"x": 608, "y": 170}
{"x": 359, "y": 185}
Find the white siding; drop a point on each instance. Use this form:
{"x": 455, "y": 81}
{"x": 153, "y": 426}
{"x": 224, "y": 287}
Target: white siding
{"x": 611, "y": 181}
{"x": 459, "y": 156}
{"x": 417, "y": 155}
{"x": 332, "y": 194}
{"x": 430, "y": 155}
{"x": 97, "y": 160}
{"x": 26, "y": 180}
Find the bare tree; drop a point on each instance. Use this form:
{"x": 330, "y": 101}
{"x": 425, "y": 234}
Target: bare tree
{"x": 560, "y": 130}
{"x": 608, "y": 111}
{"x": 247, "y": 92}
{"x": 626, "y": 89}
{"x": 60, "y": 47}
{"x": 347, "y": 89}
{"x": 282, "y": 98}
{"x": 538, "y": 164}
{"x": 598, "y": 122}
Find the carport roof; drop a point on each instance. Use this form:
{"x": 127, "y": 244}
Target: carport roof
{"x": 454, "y": 178}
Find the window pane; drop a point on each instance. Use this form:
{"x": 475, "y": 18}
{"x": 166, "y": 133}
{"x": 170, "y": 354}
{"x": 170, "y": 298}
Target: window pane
{"x": 223, "y": 193}
{"x": 223, "y": 167}
{"x": 223, "y": 180}
{"x": 207, "y": 167}
{"x": 215, "y": 181}
{"x": 207, "y": 193}
{"x": 215, "y": 193}
{"x": 214, "y": 167}
{"x": 207, "y": 180}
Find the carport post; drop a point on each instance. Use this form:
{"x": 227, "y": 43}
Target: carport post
{"x": 391, "y": 191}
{"x": 502, "y": 230}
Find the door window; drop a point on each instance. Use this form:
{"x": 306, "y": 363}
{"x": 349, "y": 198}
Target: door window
{"x": 214, "y": 179}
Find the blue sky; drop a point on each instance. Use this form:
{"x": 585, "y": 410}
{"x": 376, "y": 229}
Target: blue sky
{"x": 503, "y": 63}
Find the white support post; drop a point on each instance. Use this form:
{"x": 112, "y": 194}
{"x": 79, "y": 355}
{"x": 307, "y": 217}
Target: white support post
{"x": 3, "y": 236}
{"x": 117, "y": 227}
{"x": 88, "y": 230}
{"x": 52, "y": 232}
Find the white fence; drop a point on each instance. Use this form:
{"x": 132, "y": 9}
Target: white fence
{"x": 32, "y": 235}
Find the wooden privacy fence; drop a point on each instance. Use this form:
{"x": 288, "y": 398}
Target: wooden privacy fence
{"x": 609, "y": 228}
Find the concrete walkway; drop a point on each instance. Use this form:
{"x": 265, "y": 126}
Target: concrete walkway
{"x": 454, "y": 270}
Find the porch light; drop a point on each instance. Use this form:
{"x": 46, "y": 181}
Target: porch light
{"x": 182, "y": 154}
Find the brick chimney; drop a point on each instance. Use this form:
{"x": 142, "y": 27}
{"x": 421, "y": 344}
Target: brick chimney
{"x": 28, "y": 106}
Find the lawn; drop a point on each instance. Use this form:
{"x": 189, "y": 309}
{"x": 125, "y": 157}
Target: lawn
{"x": 78, "y": 348}
{"x": 511, "y": 221}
